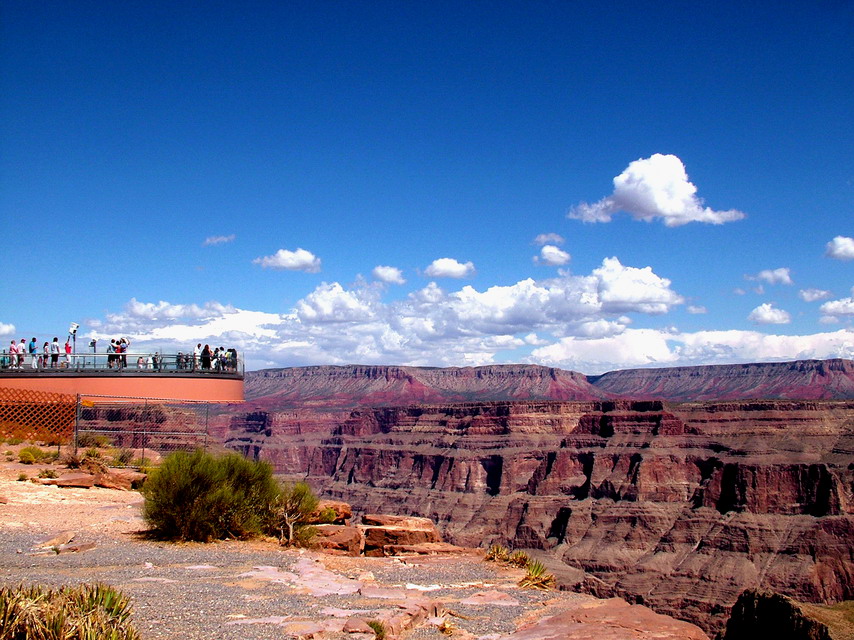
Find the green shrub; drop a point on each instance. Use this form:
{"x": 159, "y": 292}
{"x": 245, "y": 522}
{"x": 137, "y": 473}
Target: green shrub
{"x": 122, "y": 457}
{"x": 47, "y": 473}
{"x": 518, "y": 559}
{"x": 30, "y": 455}
{"x": 289, "y": 514}
{"x": 14, "y": 440}
{"x": 378, "y": 627}
{"x": 71, "y": 613}
{"x": 23, "y": 477}
{"x": 196, "y": 496}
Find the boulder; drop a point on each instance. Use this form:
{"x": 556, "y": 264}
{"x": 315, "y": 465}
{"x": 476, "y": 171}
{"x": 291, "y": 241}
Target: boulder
{"x": 77, "y": 479}
{"x": 123, "y": 479}
{"x": 414, "y": 531}
{"x": 343, "y": 512}
{"x": 339, "y": 539}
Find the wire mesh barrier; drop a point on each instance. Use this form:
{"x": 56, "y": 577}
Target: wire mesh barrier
{"x": 148, "y": 428}
{"x": 37, "y": 415}
{"x": 142, "y": 429}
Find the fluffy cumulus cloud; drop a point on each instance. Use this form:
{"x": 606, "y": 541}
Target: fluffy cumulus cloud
{"x": 449, "y": 268}
{"x": 654, "y": 188}
{"x": 586, "y": 322}
{"x": 773, "y": 276}
{"x": 624, "y": 289}
{"x": 696, "y": 309}
{"x": 390, "y": 275}
{"x": 811, "y": 295}
{"x": 552, "y": 256}
{"x": 333, "y": 303}
{"x": 215, "y": 240}
{"x": 299, "y": 260}
{"x": 6, "y": 329}
{"x": 837, "y": 309}
{"x": 767, "y": 313}
{"x": 840, "y": 248}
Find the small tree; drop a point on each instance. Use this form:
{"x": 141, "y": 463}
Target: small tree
{"x": 290, "y": 509}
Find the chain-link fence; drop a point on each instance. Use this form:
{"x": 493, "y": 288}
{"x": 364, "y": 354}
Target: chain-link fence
{"x": 147, "y": 428}
{"x": 139, "y": 430}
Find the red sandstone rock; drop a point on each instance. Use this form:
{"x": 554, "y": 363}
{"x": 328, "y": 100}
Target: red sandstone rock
{"x": 123, "y": 479}
{"x": 387, "y": 531}
{"x": 72, "y": 479}
{"x": 343, "y": 512}
{"x": 612, "y": 619}
{"x": 339, "y": 539}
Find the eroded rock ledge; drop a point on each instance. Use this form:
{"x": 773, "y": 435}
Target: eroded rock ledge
{"x": 679, "y": 507}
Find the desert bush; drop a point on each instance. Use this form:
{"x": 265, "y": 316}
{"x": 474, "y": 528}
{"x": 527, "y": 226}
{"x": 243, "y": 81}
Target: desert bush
{"x": 518, "y": 559}
{"x": 30, "y": 455}
{"x": 22, "y": 477}
{"x": 536, "y": 577}
{"x": 197, "y": 496}
{"x": 378, "y": 627}
{"x": 47, "y": 473}
{"x": 497, "y": 553}
{"x": 13, "y": 440}
{"x": 289, "y": 512}
{"x": 70, "y": 460}
{"x": 71, "y": 613}
{"x": 93, "y": 461}
{"x": 122, "y": 457}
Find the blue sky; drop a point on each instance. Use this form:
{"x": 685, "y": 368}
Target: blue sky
{"x": 591, "y": 186}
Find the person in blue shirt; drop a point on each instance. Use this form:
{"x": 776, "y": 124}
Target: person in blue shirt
{"x": 33, "y": 348}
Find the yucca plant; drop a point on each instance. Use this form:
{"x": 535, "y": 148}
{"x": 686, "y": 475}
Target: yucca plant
{"x": 87, "y": 612}
{"x": 518, "y": 559}
{"x": 497, "y": 553}
{"x": 536, "y": 577}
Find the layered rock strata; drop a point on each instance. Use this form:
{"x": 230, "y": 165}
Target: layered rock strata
{"x": 679, "y": 507}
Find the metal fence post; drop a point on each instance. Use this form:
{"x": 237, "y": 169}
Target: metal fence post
{"x": 77, "y": 411}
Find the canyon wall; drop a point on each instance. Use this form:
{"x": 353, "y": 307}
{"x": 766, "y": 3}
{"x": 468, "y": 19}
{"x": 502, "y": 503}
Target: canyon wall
{"x": 679, "y": 507}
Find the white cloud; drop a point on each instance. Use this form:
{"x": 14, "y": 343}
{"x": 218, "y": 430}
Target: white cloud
{"x": 696, "y": 309}
{"x": 214, "y": 240}
{"x": 650, "y": 188}
{"x": 840, "y": 248}
{"x": 552, "y": 256}
{"x": 811, "y": 295}
{"x": 651, "y": 347}
{"x": 624, "y": 289}
{"x": 836, "y": 308}
{"x": 449, "y": 268}
{"x": 549, "y": 238}
{"x": 299, "y": 260}
{"x": 6, "y": 329}
{"x": 766, "y": 313}
{"x": 390, "y": 275}
{"x": 332, "y": 303}
{"x": 773, "y": 276}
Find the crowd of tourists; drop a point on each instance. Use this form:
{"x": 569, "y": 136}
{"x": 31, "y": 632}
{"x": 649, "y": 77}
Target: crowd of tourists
{"x": 54, "y": 355}
{"x": 51, "y": 355}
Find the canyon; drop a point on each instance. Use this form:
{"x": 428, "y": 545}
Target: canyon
{"x": 673, "y": 503}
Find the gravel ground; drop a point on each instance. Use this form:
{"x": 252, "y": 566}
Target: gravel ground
{"x": 216, "y": 591}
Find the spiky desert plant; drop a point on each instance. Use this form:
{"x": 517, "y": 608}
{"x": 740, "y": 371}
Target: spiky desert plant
{"x": 518, "y": 559}
{"x": 497, "y": 553}
{"x": 86, "y": 612}
{"x": 536, "y": 577}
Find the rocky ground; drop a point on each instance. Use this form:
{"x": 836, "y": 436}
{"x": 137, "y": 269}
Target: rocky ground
{"x": 247, "y": 590}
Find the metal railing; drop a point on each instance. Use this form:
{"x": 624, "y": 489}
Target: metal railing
{"x": 137, "y": 362}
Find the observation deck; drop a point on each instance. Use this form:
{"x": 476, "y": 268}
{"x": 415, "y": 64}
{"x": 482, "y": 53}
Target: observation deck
{"x": 97, "y": 376}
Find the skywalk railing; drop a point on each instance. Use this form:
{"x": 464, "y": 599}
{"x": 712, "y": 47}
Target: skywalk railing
{"x": 137, "y": 362}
